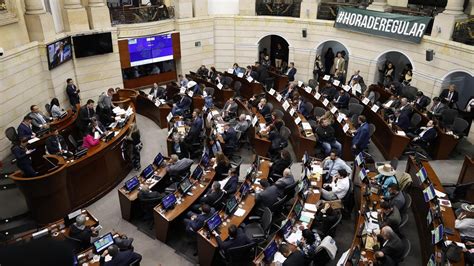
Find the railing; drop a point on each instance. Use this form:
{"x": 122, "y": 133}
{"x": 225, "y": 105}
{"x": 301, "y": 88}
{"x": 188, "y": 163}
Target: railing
{"x": 464, "y": 32}
{"x": 131, "y": 15}
{"x": 285, "y": 8}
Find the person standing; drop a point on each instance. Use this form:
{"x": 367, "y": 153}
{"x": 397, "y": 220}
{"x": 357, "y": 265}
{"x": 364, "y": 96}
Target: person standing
{"x": 361, "y": 139}
{"x": 23, "y": 158}
{"x": 328, "y": 61}
{"x": 135, "y": 145}
{"x": 279, "y": 56}
{"x": 291, "y": 72}
{"x": 338, "y": 68}
{"x": 73, "y": 93}
{"x": 450, "y": 96}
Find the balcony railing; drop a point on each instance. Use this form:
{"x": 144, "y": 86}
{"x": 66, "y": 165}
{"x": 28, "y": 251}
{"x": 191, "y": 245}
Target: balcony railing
{"x": 285, "y": 8}
{"x": 130, "y": 14}
{"x": 464, "y": 32}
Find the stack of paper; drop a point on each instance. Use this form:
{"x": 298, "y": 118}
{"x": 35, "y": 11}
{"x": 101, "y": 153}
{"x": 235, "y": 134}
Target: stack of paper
{"x": 33, "y": 140}
{"x": 279, "y": 258}
{"x": 306, "y": 126}
{"x": 239, "y": 212}
{"x": 310, "y": 207}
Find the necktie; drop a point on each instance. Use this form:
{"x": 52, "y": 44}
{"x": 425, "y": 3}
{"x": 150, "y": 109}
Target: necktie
{"x": 450, "y": 95}
{"x": 59, "y": 144}
{"x": 88, "y": 113}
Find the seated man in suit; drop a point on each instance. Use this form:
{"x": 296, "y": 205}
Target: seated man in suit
{"x": 450, "y": 96}
{"x": 295, "y": 258}
{"x": 421, "y": 101}
{"x": 390, "y": 215}
{"x": 391, "y": 244}
{"x": 251, "y": 73}
{"x": 401, "y": 120}
{"x": 329, "y": 92}
{"x": 86, "y": 113}
{"x": 214, "y": 194}
{"x": 157, "y": 92}
{"x": 342, "y": 100}
{"x": 301, "y": 106}
{"x": 56, "y": 144}
{"x": 229, "y": 184}
{"x": 23, "y": 158}
{"x": 145, "y": 194}
{"x": 288, "y": 92}
{"x": 405, "y": 108}
{"x": 38, "y": 120}
{"x": 81, "y": 232}
{"x": 237, "y": 238}
{"x": 267, "y": 197}
{"x": 119, "y": 258}
{"x": 325, "y": 218}
{"x": 230, "y": 109}
{"x": 392, "y": 103}
{"x": 24, "y": 129}
{"x": 437, "y": 108}
{"x": 285, "y": 181}
{"x": 202, "y": 71}
{"x": 425, "y": 136}
{"x": 396, "y": 197}
{"x": 177, "y": 166}
{"x": 338, "y": 188}
{"x": 195, "y": 129}
{"x": 183, "y": 105}
{"x": 242, "y": 124}
{"x": 327, "y": 138}
{"x": 291, "y": 72}
{"x": 264, "y": 109}
{"x": 279, "y": 165}
{"x": 361, "y": 139}
{"x": 195, "y": 221}
{"x": 230, "y": 139}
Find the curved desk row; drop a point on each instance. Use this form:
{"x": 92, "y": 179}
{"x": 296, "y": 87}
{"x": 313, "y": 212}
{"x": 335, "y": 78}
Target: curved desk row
{"x": 247, "y": 89}
{"x": 220, "y": 95}
{"x": 68, "y": 185}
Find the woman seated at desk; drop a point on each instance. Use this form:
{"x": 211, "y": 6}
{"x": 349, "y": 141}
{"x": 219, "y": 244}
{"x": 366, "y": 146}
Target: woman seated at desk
{"x": 88, "y": 141}
{"x": 222, "y": 166}
{"x": 55, "y": 109}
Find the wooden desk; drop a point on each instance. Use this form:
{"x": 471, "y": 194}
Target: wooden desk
{"x": 77, "y": 183}
{"x": 280, "y": 80}
{"x": 207, "y": 247}
{"x": 247, "y": 89}
{"x": 123, "y": 97}
{"x": 128, "y": 200}
{"x": 220, "y": 96}
{"x": 260, "y": 144}
{"x": 163, "y": 219}
{"x": 198, "y": 103}
{"x": 344, "y": 138}
{"x": 300, "y": 142}
{"x": 420, "y": 209}
{"x": 157, "y": 114}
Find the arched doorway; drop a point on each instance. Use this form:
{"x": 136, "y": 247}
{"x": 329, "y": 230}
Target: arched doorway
{"x": 400, "y": 62}
{"x": 327, "y": 51}
{"x": 464, "y": 83}
{"x": 269, "y": 45}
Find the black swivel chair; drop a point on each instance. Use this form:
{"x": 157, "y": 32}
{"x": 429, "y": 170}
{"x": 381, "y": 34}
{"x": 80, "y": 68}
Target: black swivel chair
{"x": 259, "y": 227}
{"x": 242, "y": 255}
{"x": 332, "y": 229}
{"x": 12, "y": 135}
{"x": 406, "y": 251}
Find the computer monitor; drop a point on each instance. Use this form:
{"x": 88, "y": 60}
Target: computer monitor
{"x": 362, "y": 174}
{"x": 285, "y": 230}
{"x": 71, "y": 217}
{"x": 298, "y": 208}
{"x": 205, "y": 160}
{"x": 185, "y": 185}
{"x": 244, "y": 190}
{"x": 132, "y": 183}
{"x": 169, "y": 201}
{"x": 103, "y": 243}
{"x": 360, "y": 159}
{"x": 147, "y": 172}
{"x": 231, "y": 205}
{"x": 214, "y": 222}
{"x": 303, "y": 185}
{"x": 197, "y": 173}
{"x": 158, "y": 159}
{"x": 270, "y": 251}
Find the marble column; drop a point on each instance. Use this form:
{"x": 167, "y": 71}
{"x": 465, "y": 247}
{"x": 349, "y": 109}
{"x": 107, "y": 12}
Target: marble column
{"x": 98, "y": 13}
{"x": 39, "y": 23}
{"x": 200, "y": 8}
{"x": 379, "y": 5}
{"x": 247, "y": 7}
{"x": 75, "y": 16}
{"x": 400, "y": 3}
{"x": 443, "y": 25}
{"x": 309, "y": 9}
{"x": 183, "y": 8}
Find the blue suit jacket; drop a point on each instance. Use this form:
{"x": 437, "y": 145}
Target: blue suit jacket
{"x": 184, "y": 102}
{"x": 302, "y": 109}
{"x": 343, "y": 101}
{"x": 231, "y": 185}
{"x": 361, "y": 137}
{"x": 24, "y": 131}
{"x": 430, "y": 135}
{"x": 403, "y": 122}
{"x": 291, "y": 74}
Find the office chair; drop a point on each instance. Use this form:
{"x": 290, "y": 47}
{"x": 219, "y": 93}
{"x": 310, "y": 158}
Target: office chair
{"x": 290, "y": 191}
{"x": 12, "y": 135}
{"x": 372, "y": 129}
{"x": 218, "y": 204}
{"x": 332, "y": 229}
{"x": 75, "y": 244}
{"x": 276, "y": 208}
{"x": 242, "y": 255}
{"x": 353, "y": 100}
{"x": 447, "y": 118}
{"x": 237, "y": 86}
{"x": 406, "y": 251}
{"x": 135, "y": 262}
{"x": 279, "y": 113}
{"x": 47, "y": 108}
{"x": 319, "y": 111}
{"x": 408, "y": 201}
{"x": 394, "y": 163}
{"x": 459, "y": 126}
{"x": 414, "y": 122}
{"x": 321, "y": 257}
{"x": 146, "y": 206}
{"x": 74, "y": 142}
{"x": 404, "y": 221}
{"x": 259, "y": 226}
{"x": 377, "y": 96}
{"x": 355, "y": 109}
{"x": 313, "y": 83}
{"x": 457, "y": 192}
{"x": 309, "y": 106}
{"x": 348, "y": 201}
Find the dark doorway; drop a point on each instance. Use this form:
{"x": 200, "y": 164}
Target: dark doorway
{"x": 269, "y": 44}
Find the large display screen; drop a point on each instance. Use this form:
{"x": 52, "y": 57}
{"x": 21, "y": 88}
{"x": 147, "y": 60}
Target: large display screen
{"x": 59, "y": 52}
{"x": 92, "y": 44}
{"x": 151, "y": 49}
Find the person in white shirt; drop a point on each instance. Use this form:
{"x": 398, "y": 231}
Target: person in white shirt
{"x": 332, "y": 164}
{"x": 338, "y": 188}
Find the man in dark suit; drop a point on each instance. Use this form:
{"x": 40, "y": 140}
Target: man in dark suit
{"x": 182, "y": 105}
{"x": 251, "y": 73}
{"x": 230, "y": 109}
{"x": 195, "y": 129}
{"x": 405, "y": 108}
{"x": 262, "y": 72}
{"x": 203, "y": 71}
{"x": 86, "y": 113}
{"x": 357, "y": 76}
{"x": 230, "y": 139}
{"x": 119, "y": 258}
{"x": 214, "y": 194}
{"x": 295, "y": 258}
{"x": 450, "y": 96}
{"x": 329, "y": 92}
{"x": 291, "y": 72}
{"x": 230, "y": 187}
{"x": 56, "y": 144}
{"x": 73, "y": 93}
{"x": 390, "y": 215}
{"x": 23, "y": 158}
{"x": 361, "y": 137}
{"x": 145, "y": 194}
{"x": 437, "y": 108}
{"x": 38, "y": 120}
{"x": 237, "y": 238}
{"x": 288, "y": 92}
{"x": 401, "y": 120}
{"x": 342, "y": 100}
{"x": 158, "y": 92}
{"x": 421, "y": 101}
{"x": 81, "y": 232}
{"x": 195, "y": 221}
{"x": 391, "y": 244}
{"x": 426, "y": 135}
{"x": 264, "y": 109}
{"x": 301, "y": 106}
{"x": 285, "y": 181}
{"x": 267, "y": 197}
{"x": 24, "y": 129}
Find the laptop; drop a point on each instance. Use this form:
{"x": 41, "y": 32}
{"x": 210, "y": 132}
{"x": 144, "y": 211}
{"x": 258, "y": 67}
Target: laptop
{"x": 231, "y": 205}
{"x": 214, "y": 222}
{"x": 185, "y": 185}
{"x": 205, "y": 160}
{"x": 147, "y": 172}
{"x": 285, "y": 230}
{"x": 244, "y": 190}
{"x": 270, "y": 251}
{"x": 158, "y": 160}
{"x": 132, "y": 183}
{"x": 169, "y": 201}
{"x": 103, "y": 243}
{"x": 197, "y": 173}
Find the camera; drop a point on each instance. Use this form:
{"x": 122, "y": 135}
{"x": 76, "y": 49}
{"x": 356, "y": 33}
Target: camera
{"x": 1, "y": 51}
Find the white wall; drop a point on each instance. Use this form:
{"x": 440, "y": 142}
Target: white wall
{"x": 223, "y": 7}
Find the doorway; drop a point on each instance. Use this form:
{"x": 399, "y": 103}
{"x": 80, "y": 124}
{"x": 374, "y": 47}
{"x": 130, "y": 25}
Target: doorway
{"x": 268, "y": 45}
